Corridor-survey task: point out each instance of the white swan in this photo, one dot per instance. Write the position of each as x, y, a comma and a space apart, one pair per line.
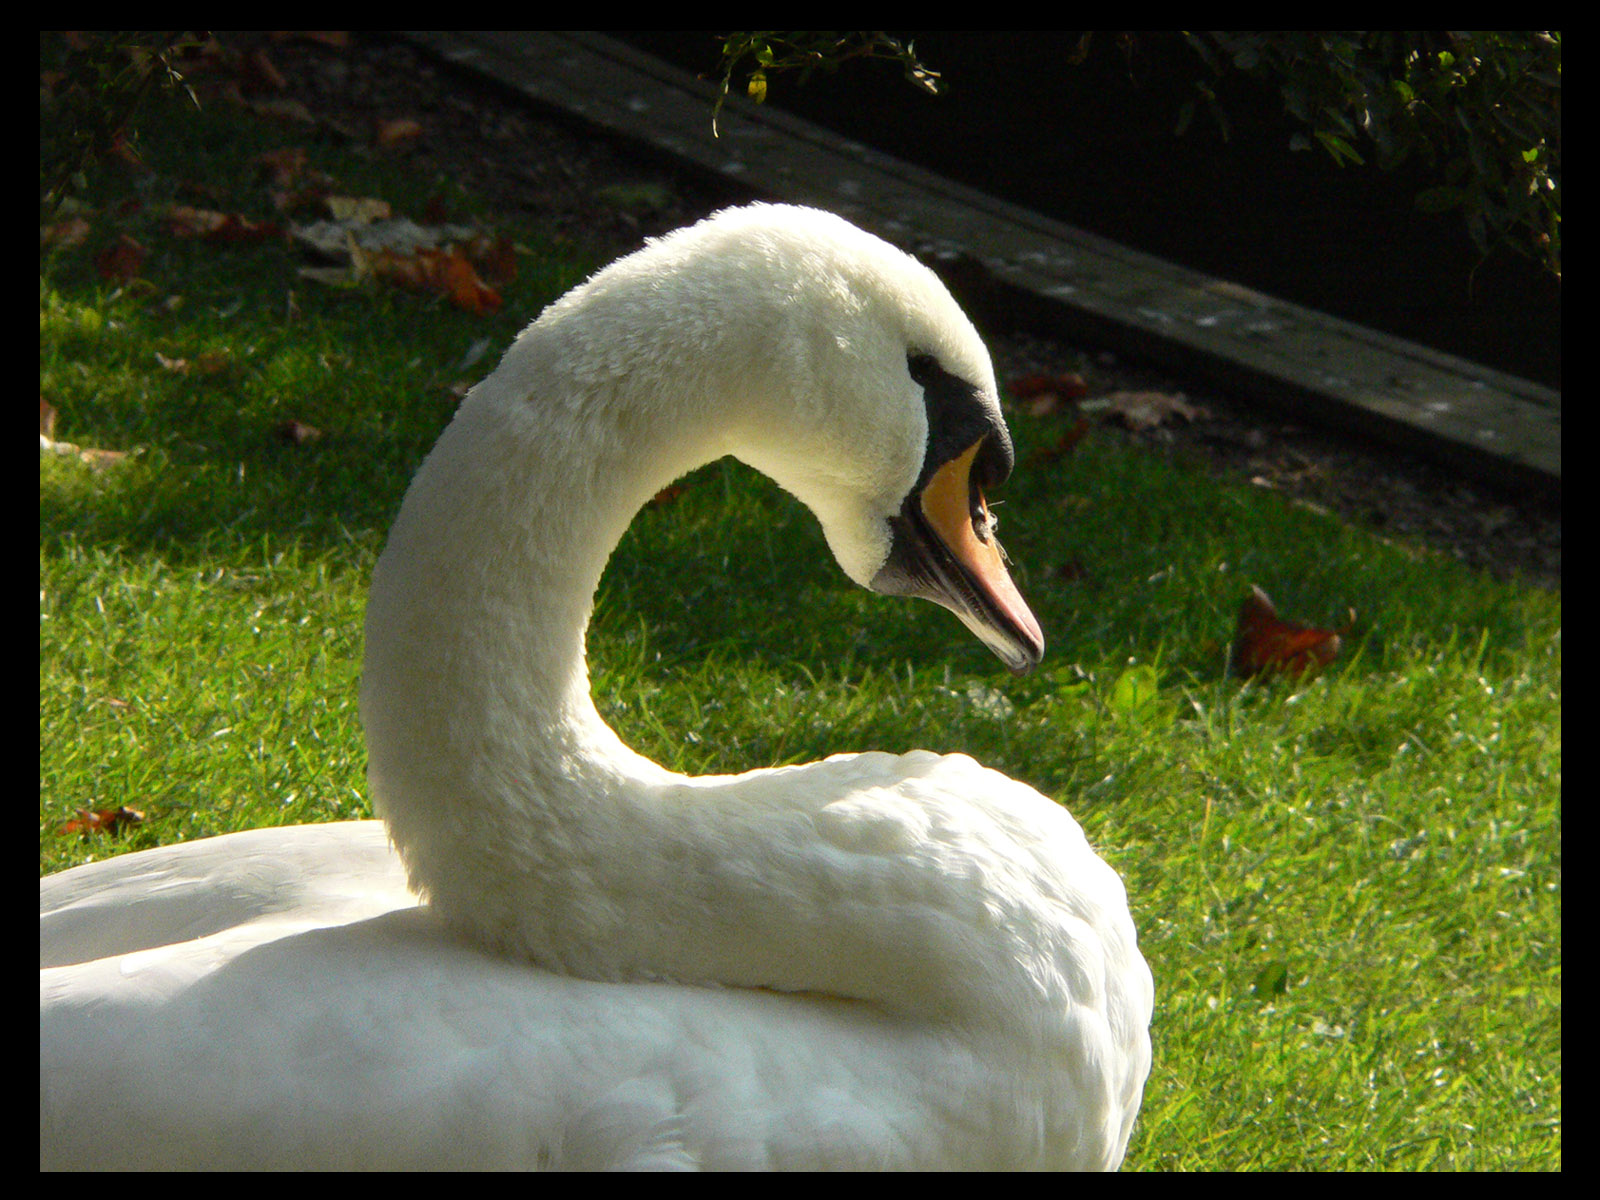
868, 961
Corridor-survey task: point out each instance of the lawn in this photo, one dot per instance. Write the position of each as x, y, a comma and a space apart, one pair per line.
1347, 884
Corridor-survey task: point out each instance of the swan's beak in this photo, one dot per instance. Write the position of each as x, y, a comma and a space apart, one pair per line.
944, 550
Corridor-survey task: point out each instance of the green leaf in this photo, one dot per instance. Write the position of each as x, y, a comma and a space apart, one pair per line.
1136, 689
1341, 150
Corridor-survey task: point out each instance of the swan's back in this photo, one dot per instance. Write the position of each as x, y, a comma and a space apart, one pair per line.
292, 1005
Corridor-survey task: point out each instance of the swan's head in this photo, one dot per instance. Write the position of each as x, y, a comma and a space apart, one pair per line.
834, 363
877, 407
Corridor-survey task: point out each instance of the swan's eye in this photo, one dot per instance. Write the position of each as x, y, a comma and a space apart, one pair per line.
923, 368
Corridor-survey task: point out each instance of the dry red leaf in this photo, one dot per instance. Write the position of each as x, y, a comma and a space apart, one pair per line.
120, 261
184, 221
447, 271
467, 290
106, 820
399, 131
1266, 642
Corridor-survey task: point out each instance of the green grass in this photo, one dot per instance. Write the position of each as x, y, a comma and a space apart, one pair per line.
1348, 888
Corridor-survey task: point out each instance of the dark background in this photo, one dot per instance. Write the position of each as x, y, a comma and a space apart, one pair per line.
1094, 146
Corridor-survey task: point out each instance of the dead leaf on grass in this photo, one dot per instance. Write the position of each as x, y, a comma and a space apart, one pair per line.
184, 221
97, 460
1265, 642
209, 362
67, 233
357, 210
106, 820
445, 271
1140, 411
397, 132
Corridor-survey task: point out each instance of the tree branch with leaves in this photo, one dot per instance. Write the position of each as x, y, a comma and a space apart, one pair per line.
767, 52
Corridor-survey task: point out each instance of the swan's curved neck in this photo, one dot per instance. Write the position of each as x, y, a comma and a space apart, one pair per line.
527, 822
518, 811
481, 602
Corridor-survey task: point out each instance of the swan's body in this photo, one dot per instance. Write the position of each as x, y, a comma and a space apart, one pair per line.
867, 961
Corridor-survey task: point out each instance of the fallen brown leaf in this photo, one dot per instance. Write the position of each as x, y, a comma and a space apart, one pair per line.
105, 820
446, 271
70, 232
1266, 642
399, 131
1139, 411
358, 210
184, 221
207, 363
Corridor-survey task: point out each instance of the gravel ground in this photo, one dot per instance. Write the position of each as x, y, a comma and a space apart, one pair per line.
607, 196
